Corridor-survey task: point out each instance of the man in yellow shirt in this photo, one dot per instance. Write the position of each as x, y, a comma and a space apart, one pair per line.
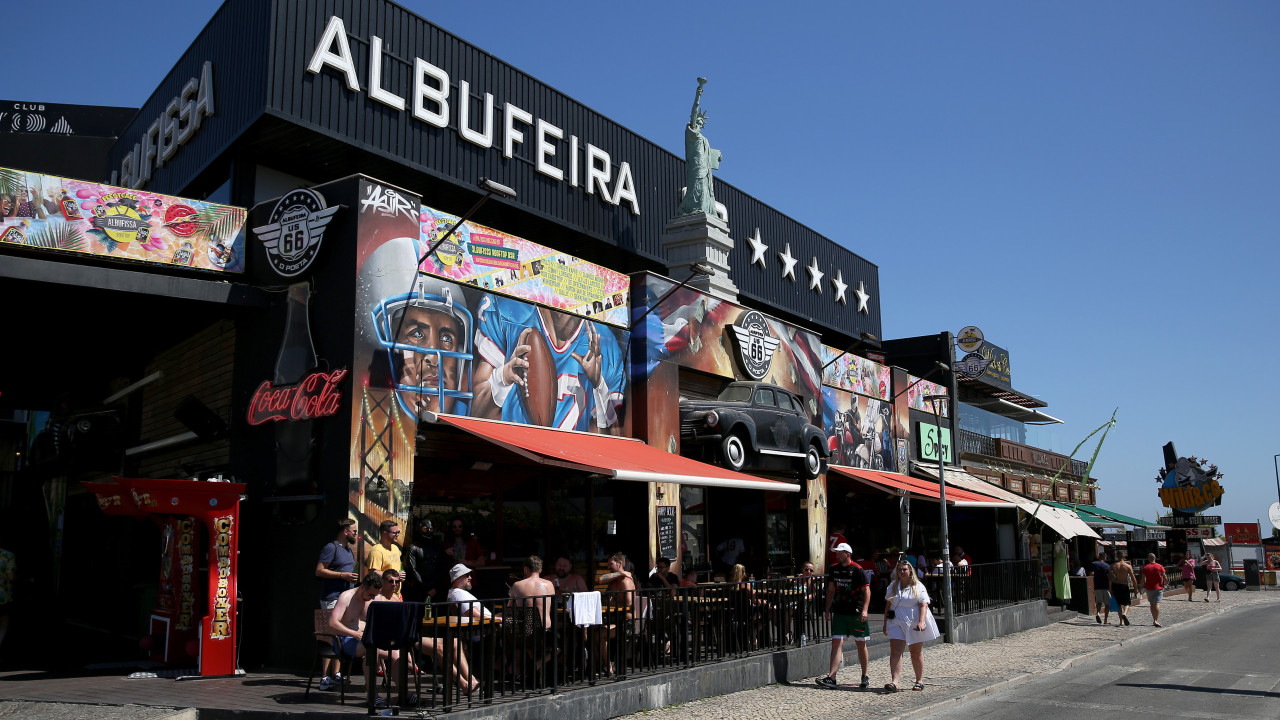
386, 554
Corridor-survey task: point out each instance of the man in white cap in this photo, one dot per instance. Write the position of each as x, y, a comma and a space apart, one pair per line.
848, 596
460, 592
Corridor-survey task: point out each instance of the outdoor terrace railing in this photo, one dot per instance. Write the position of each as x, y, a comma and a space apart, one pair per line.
531, 645
986, 586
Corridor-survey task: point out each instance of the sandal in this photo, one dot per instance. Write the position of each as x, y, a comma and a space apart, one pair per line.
891, 687
918, 686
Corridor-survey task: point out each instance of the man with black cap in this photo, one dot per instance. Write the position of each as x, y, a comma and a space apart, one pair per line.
848, 597
460, 592
423, 566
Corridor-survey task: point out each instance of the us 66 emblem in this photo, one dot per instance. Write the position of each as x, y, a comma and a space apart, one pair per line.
292, 237
756, 344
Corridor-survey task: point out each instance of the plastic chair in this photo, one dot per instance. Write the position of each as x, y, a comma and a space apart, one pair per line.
327, 649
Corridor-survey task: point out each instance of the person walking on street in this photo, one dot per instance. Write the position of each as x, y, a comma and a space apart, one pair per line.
1188, 568
1101, 590
1154, 579
908, 623
1122, 580
1211, 569
848, 597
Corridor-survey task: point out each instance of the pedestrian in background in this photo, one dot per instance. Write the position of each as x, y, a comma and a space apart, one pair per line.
1122, 580
1188, 568
1154, 580
1211, 569
1101, 590
908, 623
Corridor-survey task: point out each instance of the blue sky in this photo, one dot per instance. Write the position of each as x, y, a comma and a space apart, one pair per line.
1095, 185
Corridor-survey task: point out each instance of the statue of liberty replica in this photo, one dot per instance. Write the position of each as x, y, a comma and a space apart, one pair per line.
697, 234
699, 160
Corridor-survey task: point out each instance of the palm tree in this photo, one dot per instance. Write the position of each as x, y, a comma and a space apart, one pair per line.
57, 236
220, 222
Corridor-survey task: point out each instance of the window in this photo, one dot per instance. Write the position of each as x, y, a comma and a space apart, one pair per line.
736, 393
764, 397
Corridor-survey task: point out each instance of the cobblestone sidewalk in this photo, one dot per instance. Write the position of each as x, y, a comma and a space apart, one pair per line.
951, 671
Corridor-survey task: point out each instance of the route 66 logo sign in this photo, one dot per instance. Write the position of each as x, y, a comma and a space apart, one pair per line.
296, 228
756, 344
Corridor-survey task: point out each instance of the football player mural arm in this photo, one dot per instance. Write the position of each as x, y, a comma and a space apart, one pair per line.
605, 370
502, 366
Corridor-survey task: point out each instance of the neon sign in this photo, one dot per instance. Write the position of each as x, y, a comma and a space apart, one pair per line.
315, 396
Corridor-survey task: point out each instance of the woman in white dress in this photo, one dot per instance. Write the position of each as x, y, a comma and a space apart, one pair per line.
908, 623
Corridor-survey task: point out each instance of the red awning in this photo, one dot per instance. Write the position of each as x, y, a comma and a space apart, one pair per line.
896, 484
617, 457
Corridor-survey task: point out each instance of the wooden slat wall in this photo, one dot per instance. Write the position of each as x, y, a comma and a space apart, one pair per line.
201, 366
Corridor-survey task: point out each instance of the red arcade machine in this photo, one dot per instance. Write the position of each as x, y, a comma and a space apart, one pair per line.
186, 509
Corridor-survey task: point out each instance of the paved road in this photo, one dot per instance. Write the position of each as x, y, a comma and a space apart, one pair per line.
955, 674
1222, 667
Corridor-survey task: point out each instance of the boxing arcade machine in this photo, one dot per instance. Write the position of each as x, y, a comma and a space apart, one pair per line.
186, 510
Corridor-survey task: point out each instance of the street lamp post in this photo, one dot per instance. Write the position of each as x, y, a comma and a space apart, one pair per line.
948, 612
1276, 460
490, 189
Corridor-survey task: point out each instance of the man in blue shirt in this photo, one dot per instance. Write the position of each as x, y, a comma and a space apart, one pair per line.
1101, 590
336, 570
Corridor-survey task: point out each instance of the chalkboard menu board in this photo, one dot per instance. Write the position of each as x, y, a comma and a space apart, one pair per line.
667, 531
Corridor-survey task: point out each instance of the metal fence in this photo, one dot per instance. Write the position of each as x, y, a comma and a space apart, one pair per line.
975, 588
525, 646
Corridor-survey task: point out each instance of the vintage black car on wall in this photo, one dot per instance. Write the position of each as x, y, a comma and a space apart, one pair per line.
751, 422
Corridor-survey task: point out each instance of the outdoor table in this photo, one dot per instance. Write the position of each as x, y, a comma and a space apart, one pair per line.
453, 627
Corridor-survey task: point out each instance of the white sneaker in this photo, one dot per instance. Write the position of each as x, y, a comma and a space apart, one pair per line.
327, 684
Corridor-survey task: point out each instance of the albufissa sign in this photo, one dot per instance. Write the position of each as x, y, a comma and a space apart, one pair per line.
174, 128
429, 101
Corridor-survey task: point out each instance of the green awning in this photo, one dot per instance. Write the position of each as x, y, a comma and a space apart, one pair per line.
1094, 515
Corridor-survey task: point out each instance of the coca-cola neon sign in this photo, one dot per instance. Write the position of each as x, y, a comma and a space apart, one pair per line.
315, 396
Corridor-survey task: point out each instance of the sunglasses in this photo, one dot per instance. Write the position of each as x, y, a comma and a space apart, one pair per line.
394, 582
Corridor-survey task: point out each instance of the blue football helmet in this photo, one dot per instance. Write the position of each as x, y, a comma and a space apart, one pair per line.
394, 286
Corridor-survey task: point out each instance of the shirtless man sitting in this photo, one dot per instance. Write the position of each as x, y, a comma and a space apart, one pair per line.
531, 610
620, 593
565, 579
347, 619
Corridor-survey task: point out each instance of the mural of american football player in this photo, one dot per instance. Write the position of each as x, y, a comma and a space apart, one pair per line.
542, 367
424, 329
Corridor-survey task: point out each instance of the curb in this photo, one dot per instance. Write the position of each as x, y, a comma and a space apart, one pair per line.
1065, 664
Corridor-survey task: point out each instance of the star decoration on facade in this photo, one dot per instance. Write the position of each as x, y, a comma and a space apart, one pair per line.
788, 263
815, 276
840, 286
758, 249
863, 297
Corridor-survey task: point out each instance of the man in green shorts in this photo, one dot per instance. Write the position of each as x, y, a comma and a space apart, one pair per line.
848, 596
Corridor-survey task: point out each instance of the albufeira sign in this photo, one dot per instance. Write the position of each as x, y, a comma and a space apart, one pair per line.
429, 100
